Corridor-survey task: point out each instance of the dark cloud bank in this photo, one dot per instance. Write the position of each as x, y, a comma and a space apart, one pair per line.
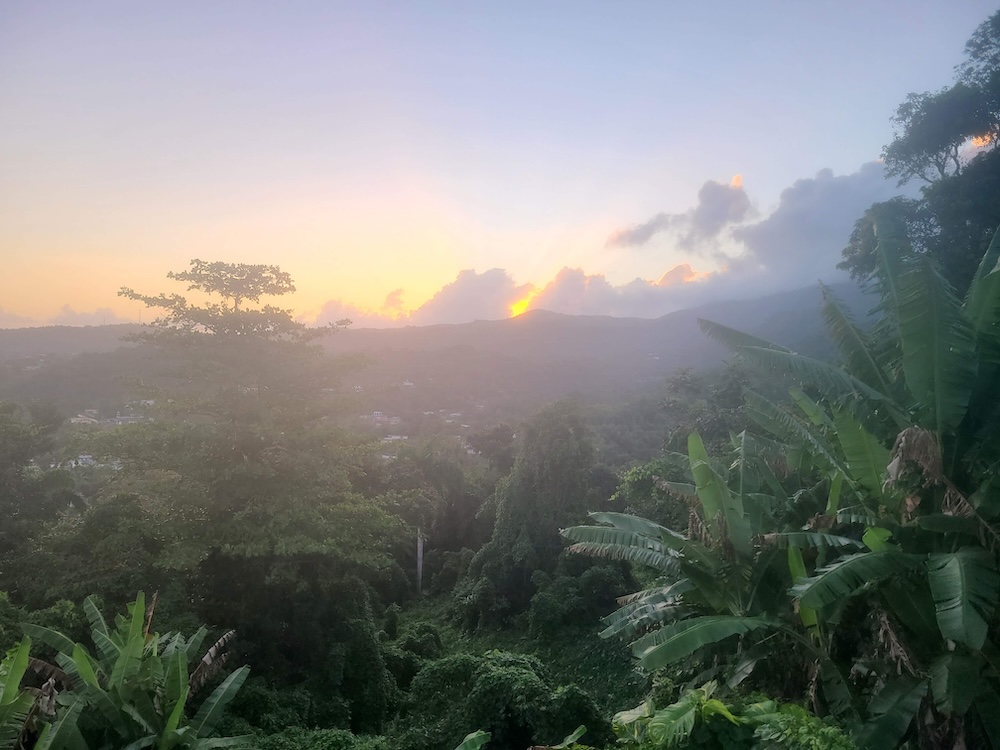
719, 205
795, 245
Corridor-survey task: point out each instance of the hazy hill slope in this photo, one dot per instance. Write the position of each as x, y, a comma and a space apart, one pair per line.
18, 343
512, 364
542, 356
791, 318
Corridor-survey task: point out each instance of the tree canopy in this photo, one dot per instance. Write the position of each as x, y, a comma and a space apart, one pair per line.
946, 140
233, 284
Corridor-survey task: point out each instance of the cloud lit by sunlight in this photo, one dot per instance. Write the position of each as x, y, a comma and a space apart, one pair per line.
682, 274
737, 181
521, 306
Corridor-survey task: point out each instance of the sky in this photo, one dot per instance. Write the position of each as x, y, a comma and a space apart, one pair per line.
428, 162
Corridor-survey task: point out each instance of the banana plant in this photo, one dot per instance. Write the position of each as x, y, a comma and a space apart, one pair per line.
479, 738
727, 576
28, 715
134, 691
907, 427
17, 706
673, 725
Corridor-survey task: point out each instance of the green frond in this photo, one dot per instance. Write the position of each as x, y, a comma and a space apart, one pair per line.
677, 640
832, 381
635, 524
609, 536
736, 340
648, 608
193, 644
474, 740
64, 734
797, 570
106, 646
813, 411
570, 738
175, 682
786, 427
681, 489
892, 252
939, 350
942, 523
716, 499
810, 539
865, 455
955, 681
12, 670
49, 637
129, 660
987, 707
843, 578
662, 562
247, 741
672, 726
210, 712
982, 303
892, 709
853, 345
94, 616
672, 589
13, 716
965, 586
836, 690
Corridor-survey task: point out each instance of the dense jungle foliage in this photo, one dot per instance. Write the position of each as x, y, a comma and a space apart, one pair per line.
808, 561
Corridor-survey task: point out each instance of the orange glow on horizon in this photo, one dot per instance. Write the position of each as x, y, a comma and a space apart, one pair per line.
682, 274
521, 306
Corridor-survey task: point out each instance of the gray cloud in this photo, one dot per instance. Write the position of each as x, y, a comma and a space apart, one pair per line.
394, 301
798, 243
101, 316
575, 293
802, 239
471, 296
66, 316
718, 205
640, 234
11, 320
335, 310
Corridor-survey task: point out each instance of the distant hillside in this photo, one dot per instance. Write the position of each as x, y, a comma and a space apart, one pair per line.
790, 318
500, 366
18, 343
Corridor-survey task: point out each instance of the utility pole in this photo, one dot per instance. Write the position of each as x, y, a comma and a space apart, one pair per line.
420, 560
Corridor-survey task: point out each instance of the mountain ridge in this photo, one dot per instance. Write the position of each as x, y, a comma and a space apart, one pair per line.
528, 360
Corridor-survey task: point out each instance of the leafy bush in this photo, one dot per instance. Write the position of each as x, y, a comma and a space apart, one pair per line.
579, 591
557, 604
272, 710
422, 639
391, 621
402, 665
509, 695
791, 727
297, 738
444, 568
697, 719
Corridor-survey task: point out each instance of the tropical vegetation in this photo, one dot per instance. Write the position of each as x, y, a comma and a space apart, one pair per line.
789, 552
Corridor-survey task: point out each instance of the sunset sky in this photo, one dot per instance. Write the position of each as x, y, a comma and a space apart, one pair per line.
420, 162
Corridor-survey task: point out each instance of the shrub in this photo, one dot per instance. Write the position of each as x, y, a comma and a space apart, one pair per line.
297, 738
509, 695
